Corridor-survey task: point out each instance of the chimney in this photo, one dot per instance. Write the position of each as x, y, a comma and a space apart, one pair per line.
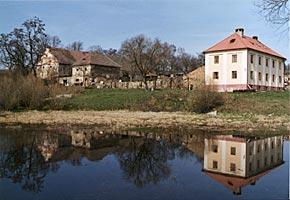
255, 37
240, 31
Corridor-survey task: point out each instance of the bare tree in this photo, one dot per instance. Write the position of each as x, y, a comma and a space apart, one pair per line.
54, 41
22, 48
143, 55
184, 62
75, 46
274, 11
96, 48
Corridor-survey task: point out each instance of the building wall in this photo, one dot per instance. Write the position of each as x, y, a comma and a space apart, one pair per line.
224, 158
81, 75
244, 68
107, 72
261, 155
248, 160
224, 68
255, 67
47, 67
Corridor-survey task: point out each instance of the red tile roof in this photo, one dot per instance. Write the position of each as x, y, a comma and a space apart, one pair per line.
76, 58
236, 41
235, 182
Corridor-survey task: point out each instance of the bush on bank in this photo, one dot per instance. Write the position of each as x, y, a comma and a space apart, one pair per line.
18, 92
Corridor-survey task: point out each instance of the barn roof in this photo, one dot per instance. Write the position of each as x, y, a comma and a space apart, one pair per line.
76, 58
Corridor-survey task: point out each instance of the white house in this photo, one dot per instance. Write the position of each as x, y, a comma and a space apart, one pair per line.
240, 62
238, 161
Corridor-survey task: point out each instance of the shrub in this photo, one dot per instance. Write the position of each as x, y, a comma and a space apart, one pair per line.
204, 99
28, 92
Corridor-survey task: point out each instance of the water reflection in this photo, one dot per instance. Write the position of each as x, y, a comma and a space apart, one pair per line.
237, 161
26, 158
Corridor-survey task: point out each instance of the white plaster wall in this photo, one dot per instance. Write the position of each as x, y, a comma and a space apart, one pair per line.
256, 68
225, 67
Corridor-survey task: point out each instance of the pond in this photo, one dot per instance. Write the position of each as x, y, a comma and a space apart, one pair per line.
91, 163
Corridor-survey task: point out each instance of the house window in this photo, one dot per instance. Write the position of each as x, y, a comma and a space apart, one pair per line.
77, 80
234, 58
280, 79
260, 76
265, 146
214, 148
85, 69
265, 161
234, 75
215, 75
233, 150
77, 69
267, 77
252, 59
258, 164
251, 75
267, 62
214, 164
233, 167
272, 158
260, 60
272, 145
273, 78
273, 63
259, 148
250, 166
216, 59
280, 65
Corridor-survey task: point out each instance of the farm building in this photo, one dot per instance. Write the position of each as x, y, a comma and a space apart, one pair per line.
77, 67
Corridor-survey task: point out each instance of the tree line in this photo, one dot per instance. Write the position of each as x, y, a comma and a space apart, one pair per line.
22, 48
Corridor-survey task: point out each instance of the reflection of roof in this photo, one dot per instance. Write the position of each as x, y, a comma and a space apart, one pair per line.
234, 183
236, 41
230, 138
69, 57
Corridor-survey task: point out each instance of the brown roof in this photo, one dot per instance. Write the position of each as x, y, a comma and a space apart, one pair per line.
236, 41
68, 57
96, 59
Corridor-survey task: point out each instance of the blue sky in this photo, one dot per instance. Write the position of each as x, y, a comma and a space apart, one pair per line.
192, 24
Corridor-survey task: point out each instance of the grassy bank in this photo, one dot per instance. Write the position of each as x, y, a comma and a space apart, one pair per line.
260, 103
136, 119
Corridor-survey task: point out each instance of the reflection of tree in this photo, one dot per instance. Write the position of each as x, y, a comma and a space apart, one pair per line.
22, 162
145, 160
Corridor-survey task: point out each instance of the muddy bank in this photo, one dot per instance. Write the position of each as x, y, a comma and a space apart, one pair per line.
129, 119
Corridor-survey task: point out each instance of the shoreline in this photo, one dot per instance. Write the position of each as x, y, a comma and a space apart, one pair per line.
138, 119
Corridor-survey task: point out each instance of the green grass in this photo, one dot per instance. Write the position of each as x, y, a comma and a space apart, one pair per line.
116, 99
276, 103
265, 103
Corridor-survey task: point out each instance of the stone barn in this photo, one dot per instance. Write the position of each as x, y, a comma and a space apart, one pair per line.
76, 67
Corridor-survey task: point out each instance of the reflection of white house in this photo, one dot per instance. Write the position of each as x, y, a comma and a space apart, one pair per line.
240, 62
238, 161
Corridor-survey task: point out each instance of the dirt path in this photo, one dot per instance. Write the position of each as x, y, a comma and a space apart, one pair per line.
126, 118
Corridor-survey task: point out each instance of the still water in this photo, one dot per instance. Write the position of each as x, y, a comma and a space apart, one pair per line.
89, 163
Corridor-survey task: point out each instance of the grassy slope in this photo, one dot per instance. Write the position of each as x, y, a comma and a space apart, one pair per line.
173, 100
264, 103
115, 99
